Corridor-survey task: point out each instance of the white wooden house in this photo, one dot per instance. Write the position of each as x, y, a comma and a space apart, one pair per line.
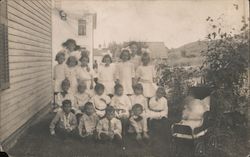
25, 64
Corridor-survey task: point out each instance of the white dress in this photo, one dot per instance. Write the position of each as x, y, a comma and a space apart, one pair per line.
146, 75
71, 73
125, 72
136, 60
121, 103
84, 75
59, 76
106, 76
139, 99
100, 102
60, 98
157, 109
81, 99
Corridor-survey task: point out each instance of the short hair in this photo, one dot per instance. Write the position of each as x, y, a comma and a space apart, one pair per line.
125, 51
84, 56
81, 84
58, 55
162, 90
145, 54
87, 104
135, 106
117, 86
138, 86
109, 109
106, 56
71, 58
65, 81
66, 102
99, 86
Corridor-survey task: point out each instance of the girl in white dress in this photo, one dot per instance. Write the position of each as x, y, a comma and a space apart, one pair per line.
158, 105
84, 73
64, 94
135, 54
121, 103
100, 100
125, 72
70, 73
106, 74
146, 75
81, 97
138, 97
59, 72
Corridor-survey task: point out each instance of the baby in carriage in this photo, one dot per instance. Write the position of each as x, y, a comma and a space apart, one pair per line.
196, 104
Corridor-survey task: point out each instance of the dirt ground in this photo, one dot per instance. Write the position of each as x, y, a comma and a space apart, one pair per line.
37, 142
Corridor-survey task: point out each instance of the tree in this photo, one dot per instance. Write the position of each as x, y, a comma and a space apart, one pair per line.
225, 65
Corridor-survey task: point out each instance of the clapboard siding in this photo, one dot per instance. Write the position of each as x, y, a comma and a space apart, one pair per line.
30, 63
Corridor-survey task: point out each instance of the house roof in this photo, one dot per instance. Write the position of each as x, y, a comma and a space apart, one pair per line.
100, 52
157, 49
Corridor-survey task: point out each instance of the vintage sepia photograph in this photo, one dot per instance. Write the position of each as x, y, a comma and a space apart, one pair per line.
124, 78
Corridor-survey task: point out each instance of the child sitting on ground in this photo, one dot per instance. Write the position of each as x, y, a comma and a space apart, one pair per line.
158, 105
138, 97
100, 100
65, 94
138, 122
64, 123
121, 102
88, 121
109, 128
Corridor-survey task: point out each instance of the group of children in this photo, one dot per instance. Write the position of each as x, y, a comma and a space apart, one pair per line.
121, 97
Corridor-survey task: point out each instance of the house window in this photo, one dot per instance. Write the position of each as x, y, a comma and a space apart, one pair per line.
82, 27
4, 60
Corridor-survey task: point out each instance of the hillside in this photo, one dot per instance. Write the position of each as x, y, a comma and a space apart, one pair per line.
188, 54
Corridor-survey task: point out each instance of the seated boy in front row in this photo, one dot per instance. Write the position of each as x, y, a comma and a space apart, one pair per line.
109, 128
138, 122
88, 121
64, 123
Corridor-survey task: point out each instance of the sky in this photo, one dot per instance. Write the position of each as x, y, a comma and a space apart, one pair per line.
173, 22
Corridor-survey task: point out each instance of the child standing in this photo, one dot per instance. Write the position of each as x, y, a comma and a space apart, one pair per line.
65, 94
138, 122
158, 105
121, 102
125, 72
64, 123
135, 54
100, 100
84, 73
109, 128
71, 73
59, 72
106, 74
138, 97
88, 121
146, 75
81, 97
